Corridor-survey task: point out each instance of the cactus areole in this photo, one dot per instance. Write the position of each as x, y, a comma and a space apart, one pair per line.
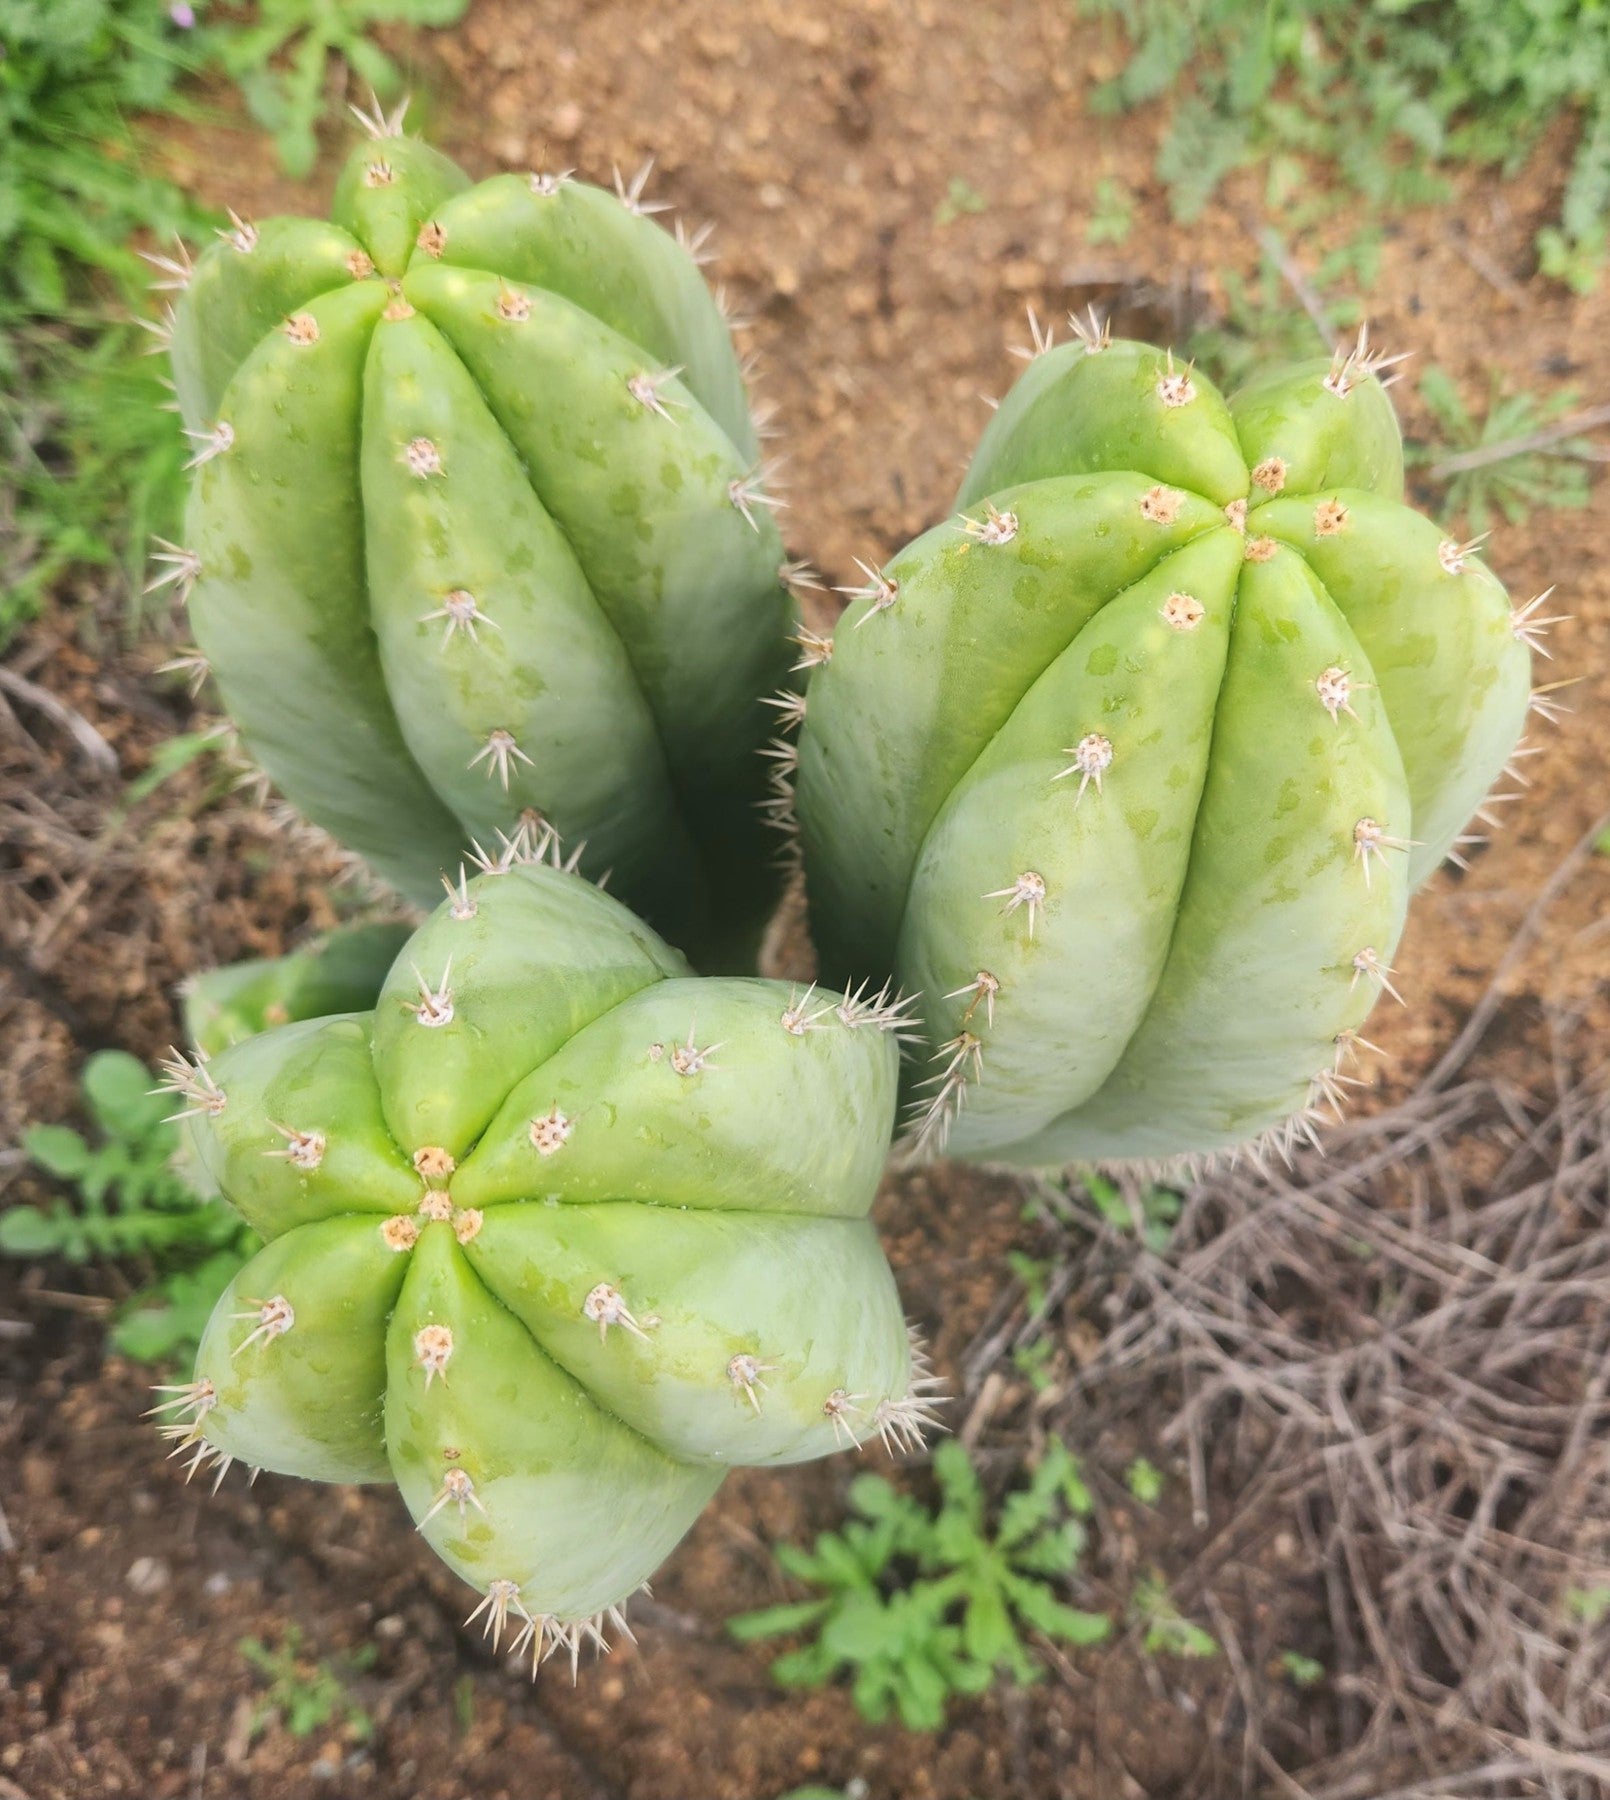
554, 1237
1131, 771
477, 530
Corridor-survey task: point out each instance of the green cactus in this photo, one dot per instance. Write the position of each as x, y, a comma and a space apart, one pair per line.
341, 972
1130, 772
554, 1236
478, 531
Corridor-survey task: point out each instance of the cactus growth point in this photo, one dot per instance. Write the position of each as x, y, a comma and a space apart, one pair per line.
1131, 771
554, 1236
478, 530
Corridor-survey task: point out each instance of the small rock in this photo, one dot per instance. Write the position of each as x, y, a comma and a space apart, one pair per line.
148, 1575
567, 121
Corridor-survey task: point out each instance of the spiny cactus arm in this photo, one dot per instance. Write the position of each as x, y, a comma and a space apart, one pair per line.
387, 190
245, 285
1105, 406
721, 1336
1454, 669
294, 1353
342, 972
581, 242
938, 649
279, 605
751, 1094
692, 586
299, 1134
497, 657
513, 1471
1320, 425
1281, 885
491, 985
1038, 933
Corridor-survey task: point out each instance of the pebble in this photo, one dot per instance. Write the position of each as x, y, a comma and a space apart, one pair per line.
148, 1575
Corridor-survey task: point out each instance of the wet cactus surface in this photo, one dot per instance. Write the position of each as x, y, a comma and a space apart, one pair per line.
554, 1237
1130, 771
478, 529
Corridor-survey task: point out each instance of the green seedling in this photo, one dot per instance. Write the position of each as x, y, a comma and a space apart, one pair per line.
1301, 1671
132, 1205
1165, 1629
280, 60
305, 1696
1145, 1481
917, 1606
1496, 464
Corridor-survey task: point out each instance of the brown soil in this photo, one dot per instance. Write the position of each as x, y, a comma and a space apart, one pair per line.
821, 137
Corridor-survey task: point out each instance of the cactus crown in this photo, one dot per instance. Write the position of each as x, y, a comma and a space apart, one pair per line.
554, 1236
1131, 770
478, 530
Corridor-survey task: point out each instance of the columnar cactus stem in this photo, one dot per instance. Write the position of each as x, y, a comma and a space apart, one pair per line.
477, 527
1130, 772
538, 1257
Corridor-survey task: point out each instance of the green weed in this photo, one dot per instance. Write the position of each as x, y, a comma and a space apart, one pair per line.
1165, 1630
1491, 469
305, 1696
1382, 94
280, 57
1301, 1671
1112, 213
920, 1606
960, 197
132, 1205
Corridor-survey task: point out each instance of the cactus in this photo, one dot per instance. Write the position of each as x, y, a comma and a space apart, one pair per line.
1130, 772
478, 531
554, 1236
341, 972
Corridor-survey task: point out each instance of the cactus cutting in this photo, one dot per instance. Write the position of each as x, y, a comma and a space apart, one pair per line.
478, 530
553, 1237
1131, 770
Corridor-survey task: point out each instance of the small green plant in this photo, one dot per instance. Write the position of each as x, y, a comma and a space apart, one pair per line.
132, 1204
1145, 1481
1578, 262
1380, 95
94, 464
1112, 213
1588, 1606
960, 197
919, 1606
1165, 1629
1495, 464
305, 1696
1159, 1210
1301, 1671
280, 60
1262, 320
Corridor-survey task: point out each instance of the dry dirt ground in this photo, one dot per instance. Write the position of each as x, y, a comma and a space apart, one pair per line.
821, 138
